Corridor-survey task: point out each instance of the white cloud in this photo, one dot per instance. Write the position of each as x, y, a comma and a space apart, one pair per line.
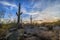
51, 13
8, 4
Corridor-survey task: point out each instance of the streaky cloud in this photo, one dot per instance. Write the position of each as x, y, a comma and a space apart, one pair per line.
8, 4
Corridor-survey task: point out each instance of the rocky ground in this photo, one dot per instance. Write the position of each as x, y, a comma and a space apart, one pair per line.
35, 33
41, 34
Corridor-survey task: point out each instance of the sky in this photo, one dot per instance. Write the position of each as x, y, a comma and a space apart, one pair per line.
47, 10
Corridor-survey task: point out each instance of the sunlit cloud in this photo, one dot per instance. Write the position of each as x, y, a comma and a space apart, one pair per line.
50, 11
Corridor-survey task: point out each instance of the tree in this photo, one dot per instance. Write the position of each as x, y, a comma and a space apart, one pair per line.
2, 14
10, 16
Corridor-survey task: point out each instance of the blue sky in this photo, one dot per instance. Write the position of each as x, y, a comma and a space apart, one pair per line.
39, 9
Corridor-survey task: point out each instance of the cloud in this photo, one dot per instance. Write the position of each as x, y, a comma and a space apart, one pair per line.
50, 11
43, 9
8, 4
34, 7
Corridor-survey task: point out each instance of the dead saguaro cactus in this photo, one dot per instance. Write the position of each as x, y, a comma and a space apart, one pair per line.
19, 13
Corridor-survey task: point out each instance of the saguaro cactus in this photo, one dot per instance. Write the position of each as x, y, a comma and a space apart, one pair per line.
18, 16
31, 19
19, 13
